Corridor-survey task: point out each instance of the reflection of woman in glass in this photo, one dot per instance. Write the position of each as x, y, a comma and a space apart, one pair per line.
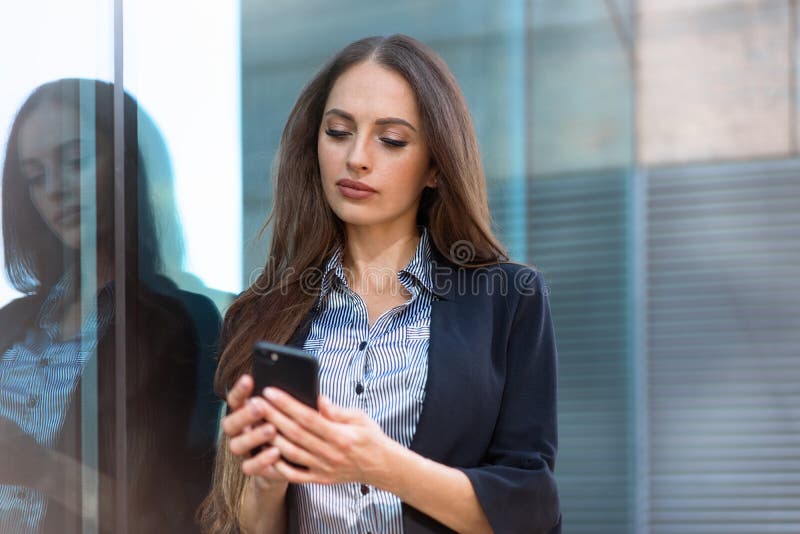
61, 141
437, 356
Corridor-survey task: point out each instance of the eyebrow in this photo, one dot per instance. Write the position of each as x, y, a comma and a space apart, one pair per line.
69, 144
385, 120
62, 147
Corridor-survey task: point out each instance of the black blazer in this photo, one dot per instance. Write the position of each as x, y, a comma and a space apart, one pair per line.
169, 468
490, 401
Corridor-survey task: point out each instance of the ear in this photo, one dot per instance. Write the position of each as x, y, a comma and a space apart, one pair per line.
432, 180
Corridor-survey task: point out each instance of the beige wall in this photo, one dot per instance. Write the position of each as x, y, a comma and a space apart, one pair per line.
713, 81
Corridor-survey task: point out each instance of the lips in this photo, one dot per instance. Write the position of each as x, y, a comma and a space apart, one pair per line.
352, 184
354, 190
68, 215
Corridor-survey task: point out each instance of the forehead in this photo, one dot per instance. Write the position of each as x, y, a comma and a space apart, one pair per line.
368, 90
47, 127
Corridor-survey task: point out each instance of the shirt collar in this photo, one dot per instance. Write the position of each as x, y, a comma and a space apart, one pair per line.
96, 317
420, 267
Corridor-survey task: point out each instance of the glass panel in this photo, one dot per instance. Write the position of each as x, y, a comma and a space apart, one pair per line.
183, 149
57, 320
580, 216
188, 93
549, 86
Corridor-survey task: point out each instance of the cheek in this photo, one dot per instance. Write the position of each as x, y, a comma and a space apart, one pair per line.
45, 207
328, 160
410, 174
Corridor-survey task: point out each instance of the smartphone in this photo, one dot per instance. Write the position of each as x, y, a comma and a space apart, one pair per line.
292, 370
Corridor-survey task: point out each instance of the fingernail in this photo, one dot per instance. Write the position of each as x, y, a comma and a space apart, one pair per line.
254, 406
268, 430
270, 393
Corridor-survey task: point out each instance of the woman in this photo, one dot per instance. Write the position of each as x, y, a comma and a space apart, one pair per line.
61, 136
437, 356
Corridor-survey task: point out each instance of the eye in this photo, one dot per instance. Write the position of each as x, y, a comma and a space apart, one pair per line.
34, 180
33, 174
393, 142
336, 133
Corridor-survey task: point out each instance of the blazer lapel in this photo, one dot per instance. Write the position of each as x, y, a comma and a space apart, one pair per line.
298, 338
444, 355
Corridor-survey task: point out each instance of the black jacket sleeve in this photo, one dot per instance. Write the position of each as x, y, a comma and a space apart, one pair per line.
515, 483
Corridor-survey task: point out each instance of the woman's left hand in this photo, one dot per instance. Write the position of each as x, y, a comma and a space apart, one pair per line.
336, 444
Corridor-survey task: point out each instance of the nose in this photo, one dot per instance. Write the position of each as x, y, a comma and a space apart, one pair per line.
53, 181
57, 181
359, 159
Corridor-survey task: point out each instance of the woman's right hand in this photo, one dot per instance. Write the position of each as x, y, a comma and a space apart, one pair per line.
246, 429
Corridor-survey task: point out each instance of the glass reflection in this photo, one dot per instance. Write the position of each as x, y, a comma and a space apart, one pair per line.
58, 341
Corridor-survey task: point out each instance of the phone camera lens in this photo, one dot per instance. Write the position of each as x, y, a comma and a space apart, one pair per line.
273, 357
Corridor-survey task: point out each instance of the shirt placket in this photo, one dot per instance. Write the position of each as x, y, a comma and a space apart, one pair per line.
362, 376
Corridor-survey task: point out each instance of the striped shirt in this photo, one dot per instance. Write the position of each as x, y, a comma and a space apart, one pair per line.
381, 369
38, 376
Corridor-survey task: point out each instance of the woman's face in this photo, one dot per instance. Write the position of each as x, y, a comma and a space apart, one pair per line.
371, 135
51, 165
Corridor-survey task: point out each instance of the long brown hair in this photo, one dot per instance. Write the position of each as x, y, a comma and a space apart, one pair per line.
306, 231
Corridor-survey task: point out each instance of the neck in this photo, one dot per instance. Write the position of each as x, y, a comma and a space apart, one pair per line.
374, 254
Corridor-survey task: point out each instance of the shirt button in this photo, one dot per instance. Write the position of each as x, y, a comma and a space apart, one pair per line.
21, 494
44, 362
364, 489
359, 389
32, 401
362, 345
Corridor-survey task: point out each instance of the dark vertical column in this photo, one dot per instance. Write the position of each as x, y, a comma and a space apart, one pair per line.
125, 267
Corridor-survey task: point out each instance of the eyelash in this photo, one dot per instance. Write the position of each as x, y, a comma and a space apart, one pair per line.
35, 180
393, 143
336, 133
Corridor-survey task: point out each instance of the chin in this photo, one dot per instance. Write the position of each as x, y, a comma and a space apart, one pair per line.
70, 237
355, 214
360, 219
